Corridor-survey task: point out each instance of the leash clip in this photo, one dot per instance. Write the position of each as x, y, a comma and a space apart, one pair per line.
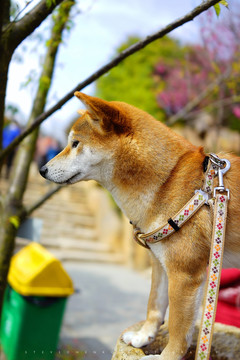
221, 172
217, 161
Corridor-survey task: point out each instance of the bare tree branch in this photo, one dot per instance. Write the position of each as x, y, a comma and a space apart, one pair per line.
10, 24
223, 102
25, 26
191, 104
123, 55
37, 204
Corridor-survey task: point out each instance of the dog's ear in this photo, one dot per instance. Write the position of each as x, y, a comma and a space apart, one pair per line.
81, 112
109, 116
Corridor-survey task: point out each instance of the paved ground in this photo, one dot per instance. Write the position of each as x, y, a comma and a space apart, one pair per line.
110, 298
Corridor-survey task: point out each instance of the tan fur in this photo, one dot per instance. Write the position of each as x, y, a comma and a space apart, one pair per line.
152, 172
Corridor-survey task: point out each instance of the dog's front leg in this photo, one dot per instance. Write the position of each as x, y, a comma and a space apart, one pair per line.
185, 294
157, 305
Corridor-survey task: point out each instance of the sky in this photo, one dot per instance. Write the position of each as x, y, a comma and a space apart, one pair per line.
99, 28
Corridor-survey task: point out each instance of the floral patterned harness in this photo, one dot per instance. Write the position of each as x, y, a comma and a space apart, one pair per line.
218, 201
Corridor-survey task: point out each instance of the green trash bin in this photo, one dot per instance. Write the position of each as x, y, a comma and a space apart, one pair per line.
34, 304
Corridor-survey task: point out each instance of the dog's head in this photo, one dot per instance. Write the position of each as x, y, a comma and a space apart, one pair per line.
93, 140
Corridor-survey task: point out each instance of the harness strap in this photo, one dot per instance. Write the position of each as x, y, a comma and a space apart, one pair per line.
179, 219
213, 279
173, 224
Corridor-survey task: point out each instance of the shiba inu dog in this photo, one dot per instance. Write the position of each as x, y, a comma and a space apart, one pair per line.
152, 172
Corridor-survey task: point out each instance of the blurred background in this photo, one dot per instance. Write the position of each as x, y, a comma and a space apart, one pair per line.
162, 79
189, 80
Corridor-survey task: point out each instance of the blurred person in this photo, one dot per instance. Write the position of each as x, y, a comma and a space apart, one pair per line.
10, 132
53, 149
46, 149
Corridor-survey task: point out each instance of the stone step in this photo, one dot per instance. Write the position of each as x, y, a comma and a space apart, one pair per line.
35, 195
73, 220
69, 224
70, 244
62, 195
63, 244
87, 256
77, 255
67, 233
68, 208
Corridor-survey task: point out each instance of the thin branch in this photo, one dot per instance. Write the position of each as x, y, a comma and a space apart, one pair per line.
29, 22
37, 204
224, 102
123, 55
18, 14
24, 8
191, 104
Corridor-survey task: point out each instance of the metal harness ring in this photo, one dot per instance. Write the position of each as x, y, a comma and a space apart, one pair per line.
139, 240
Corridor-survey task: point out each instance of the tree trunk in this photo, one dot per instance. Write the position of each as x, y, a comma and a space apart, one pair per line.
4, 61
5, 57
13, 211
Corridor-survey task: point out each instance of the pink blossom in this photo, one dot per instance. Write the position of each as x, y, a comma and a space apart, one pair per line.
236, 111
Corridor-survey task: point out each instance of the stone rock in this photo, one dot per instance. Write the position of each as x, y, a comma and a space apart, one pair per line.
225, 345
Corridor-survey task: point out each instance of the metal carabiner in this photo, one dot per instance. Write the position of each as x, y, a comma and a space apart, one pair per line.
221, 172
216, 160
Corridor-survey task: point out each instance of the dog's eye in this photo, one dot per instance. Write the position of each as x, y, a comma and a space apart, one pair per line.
75, 144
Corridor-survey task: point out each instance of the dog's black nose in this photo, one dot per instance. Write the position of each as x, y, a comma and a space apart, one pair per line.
43, 171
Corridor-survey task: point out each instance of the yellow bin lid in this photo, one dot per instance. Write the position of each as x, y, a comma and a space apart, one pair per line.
35, 271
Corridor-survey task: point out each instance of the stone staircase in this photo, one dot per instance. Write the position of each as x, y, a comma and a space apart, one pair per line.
70, 227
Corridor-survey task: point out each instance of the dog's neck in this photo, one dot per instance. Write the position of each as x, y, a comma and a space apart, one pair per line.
141, 171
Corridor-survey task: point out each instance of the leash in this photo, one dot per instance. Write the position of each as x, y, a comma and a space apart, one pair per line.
215, 265
216, 199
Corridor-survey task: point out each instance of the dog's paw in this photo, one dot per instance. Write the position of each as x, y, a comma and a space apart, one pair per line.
151, 357
137, 338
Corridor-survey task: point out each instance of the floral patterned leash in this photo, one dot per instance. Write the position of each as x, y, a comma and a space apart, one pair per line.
220, 202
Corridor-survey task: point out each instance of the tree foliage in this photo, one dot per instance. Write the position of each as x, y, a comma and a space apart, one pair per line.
108, 66
166, 76
133, 81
